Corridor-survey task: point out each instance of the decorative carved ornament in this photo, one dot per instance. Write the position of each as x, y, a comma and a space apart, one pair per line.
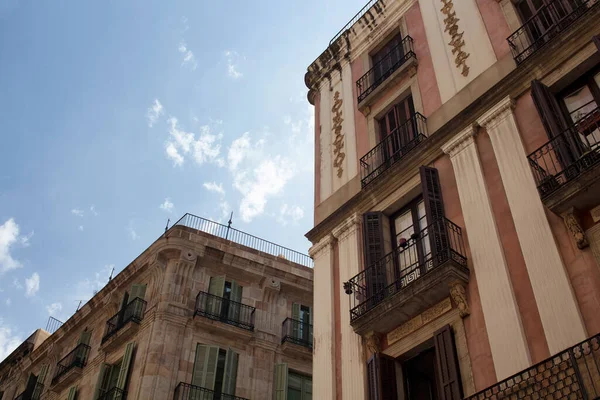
373, 342
572, 224
338, 143
457, 42
422, 319
459, 295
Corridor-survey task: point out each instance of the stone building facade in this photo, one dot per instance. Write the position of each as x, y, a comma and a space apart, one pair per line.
206, 312
456, 238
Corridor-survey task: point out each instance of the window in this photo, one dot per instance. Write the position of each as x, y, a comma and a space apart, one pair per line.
302, 324
112, 380
227, 298
581, 101
387, 58
408, 226
290, 385
72, 393
215, 369
431, 372
546, 12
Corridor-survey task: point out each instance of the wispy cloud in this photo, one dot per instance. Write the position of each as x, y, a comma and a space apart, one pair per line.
85, 289
32, 285
154, 112
204, 149
167, 205
189, 60
132, 233
77, 212
290, 214
184, 22
8, 302
214, 187
232, 58
54, 308
9, 238
93, 210
8, 340
80, 228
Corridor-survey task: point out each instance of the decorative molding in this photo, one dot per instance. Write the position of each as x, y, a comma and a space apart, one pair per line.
497, 114
417, 322
572, 224
460, 142
373, 342
457, 43
346, 228
338, 143
324, 244
459, 295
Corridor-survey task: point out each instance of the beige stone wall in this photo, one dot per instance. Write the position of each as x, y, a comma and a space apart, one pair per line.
176, 269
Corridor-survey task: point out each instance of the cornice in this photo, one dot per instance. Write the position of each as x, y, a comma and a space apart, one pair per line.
498, 113
346, 228
318, 249
461, 141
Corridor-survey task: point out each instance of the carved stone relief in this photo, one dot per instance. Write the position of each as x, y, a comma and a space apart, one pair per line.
572, 224
459, 295
457, 42
338, 142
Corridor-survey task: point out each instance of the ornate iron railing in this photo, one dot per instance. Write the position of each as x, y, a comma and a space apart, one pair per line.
53, 324
133, 311
545, 25
113, 394
385, 67
417, 256
571, 374
567, 155
393, 148
34, 394
359, 14
245, 239
297, 332
75, 359
224, 310
185, 391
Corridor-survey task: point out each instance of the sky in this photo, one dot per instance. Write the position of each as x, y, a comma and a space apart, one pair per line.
118, 116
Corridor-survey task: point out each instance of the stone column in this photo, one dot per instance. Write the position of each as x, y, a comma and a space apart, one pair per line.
353, 363
562, 322
501, 314
324, 319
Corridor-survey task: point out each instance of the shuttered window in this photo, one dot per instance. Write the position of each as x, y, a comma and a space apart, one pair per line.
42, 375
281, 381
302, 319
548, 108
84, 337
125, 364
381, 375
72, 393
137, 290
434, 210
290, 385
115, 376
447, 365
213, 371
374, 250
228, 290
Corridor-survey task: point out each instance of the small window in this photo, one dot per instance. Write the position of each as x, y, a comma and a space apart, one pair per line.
387, 58
581, 101
214, 369
112, 380
299, 387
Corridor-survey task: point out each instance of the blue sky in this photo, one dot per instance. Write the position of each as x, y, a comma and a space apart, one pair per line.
119, 115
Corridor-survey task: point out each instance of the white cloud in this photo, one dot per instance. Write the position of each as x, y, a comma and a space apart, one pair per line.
206, 148
214, 187
167, 205
232, 58
189, 59
9, 237
32, 285
80, 228
54, 308
8, 340
85, 289
132, 233
238, 151
17, 284
287, 214
93, 210
154, 112
8, 302
77, 212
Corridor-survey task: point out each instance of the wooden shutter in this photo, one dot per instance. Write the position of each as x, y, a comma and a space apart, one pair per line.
85, 337
596, 40
212, 359
42, 375
103, 369
72, 393
381, 376
281, 382
372, 380
296, 318
125, 363
374, 250
230, 372
233, 313
199, 361
449, 384
548, 108
306, 388
205, 366
434, 211
138, 290
216, 287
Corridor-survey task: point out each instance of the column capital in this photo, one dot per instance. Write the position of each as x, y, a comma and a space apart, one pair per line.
495, 115
346, 228
319, 248
460, 141
574, 227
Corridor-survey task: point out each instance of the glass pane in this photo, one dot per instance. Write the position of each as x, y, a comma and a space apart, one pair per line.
425, 245
403, 225
294, 394
579, 103
294, 381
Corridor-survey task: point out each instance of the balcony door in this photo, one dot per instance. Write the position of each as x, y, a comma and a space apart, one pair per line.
581, 101
540, 16
386, 60
398, 128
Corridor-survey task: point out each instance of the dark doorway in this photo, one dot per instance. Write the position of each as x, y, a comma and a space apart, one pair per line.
420, 376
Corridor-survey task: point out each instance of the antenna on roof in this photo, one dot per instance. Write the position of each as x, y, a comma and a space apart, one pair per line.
78, 305
110, 277
167, 227
229, 225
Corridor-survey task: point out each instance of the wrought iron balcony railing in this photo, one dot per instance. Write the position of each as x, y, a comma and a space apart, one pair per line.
133, 311
419, 255
571, 374
225, 310
75, 359
550, 21
32, 394
113, 394
567, 155
297, 332
385, 67
185, 391
243, 238
393, 148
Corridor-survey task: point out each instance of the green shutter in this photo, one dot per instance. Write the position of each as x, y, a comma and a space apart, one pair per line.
85, 337
138, 290
125, 363
205, 366
230, 372
307, 389
199, 360
42, 374
310, 328
72, 393
103, 368
296, 318
233, 314
281, 382
216, 288
212, 358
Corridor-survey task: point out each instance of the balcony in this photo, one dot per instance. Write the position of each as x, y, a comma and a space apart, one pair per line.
224, 310
409, 280
390, 67
113, 394
33, 393
572, 374
297, 332
567, 168
132, 312
549, 22
185, 391
69, 368
393, 148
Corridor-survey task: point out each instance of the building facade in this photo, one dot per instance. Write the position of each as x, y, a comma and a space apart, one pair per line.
206, 312
456, 241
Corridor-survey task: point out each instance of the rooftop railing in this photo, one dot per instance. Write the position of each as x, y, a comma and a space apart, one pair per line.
354, 19
550, 20
132, 312
245, 239
225, 310
75, 359
185, 391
